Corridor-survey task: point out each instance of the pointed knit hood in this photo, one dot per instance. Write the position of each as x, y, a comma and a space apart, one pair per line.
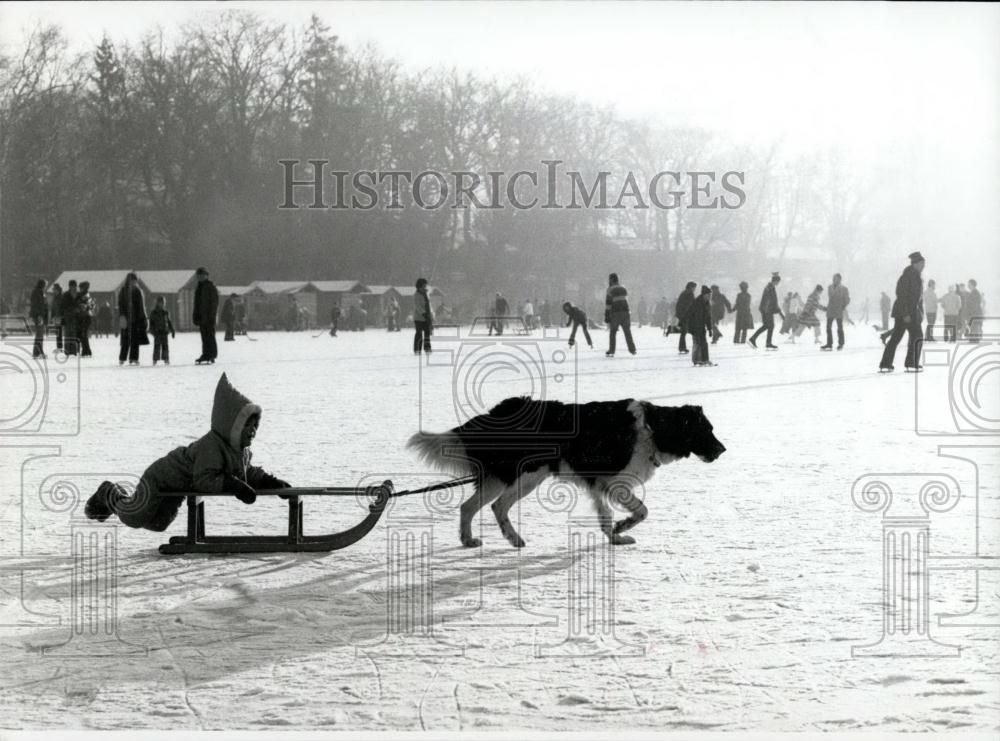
230, 412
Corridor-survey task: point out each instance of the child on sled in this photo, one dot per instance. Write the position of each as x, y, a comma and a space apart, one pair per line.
219, 461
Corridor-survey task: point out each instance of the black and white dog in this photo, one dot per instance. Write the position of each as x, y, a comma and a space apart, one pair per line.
607, 447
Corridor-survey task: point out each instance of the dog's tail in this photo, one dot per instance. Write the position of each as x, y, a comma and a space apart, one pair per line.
443, 451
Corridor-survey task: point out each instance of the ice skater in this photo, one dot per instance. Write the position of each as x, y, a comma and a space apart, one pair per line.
160, 325
699, 323
744, 316
720, 307
39, 314
907, 312
206, 305
616, 314
217, 462
930, 309
837, 299
578, 318
684, 301
951, 305
807, 317
768, 308
423, 318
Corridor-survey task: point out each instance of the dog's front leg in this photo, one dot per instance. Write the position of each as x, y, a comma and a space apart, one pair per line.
637, 513
608, 525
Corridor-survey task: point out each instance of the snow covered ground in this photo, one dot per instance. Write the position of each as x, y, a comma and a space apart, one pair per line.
737, 609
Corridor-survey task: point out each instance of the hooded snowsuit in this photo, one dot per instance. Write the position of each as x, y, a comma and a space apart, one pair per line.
206, 465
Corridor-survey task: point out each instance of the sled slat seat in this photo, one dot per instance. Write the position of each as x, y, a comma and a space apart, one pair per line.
197, 541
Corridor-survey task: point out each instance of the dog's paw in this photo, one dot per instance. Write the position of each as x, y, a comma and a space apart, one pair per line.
471, 542
617, 539
516, 540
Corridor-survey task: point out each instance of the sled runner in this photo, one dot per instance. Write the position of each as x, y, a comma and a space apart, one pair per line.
296, 540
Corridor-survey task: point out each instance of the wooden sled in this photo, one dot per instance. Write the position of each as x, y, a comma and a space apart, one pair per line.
197, 541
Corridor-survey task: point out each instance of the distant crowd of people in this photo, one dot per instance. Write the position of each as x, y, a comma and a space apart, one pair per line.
697, 313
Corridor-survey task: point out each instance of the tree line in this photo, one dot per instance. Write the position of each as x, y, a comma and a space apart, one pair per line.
163, 153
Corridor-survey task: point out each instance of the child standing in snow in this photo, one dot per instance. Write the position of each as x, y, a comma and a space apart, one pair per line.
160, 325
216, 462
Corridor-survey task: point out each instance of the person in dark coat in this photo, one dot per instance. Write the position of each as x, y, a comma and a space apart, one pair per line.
684, 302
241, 316
55, 313
423, 318
206, 306
768, 308
132, 320
229, 317
907, 313
86, 308
160, 325
219, 461
334, 318
974, 311
616, 314
744, 315
699, 322
38, 311
720, 307
68, 309
578, 318
500, 309
837, 300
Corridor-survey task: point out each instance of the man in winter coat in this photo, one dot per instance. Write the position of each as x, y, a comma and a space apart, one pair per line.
744, 315
930, 310
500, 309
86, 308
132, 320
38, 311
974, 311
951, 305
768, 308
68, 309
206, 306
423, 318
616, 314
217, 462
229, 318
699, 322
907, 313
684, 301
837, 299
720, 306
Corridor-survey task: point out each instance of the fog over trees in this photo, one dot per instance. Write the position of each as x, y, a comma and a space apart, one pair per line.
165, 154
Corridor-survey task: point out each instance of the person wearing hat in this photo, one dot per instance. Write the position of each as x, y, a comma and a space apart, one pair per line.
423, 318
907, 313
744, 316
132, 320
768, 308
698, 320
86, 308
681, 308
219, 461
616, 314
206, 304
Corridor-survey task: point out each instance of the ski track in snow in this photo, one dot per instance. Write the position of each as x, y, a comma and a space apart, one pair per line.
736, 609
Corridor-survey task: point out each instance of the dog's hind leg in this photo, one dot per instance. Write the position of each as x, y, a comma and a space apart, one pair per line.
501, 507
485, 493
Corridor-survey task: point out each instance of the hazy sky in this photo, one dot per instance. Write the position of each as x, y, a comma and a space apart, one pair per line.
871, 77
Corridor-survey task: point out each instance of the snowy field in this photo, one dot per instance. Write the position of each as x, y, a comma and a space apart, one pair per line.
737, 609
